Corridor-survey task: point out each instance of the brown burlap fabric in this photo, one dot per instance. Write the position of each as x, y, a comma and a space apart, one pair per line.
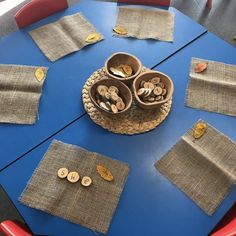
64, 36
214, 89
20, 92
204, 169
92, 207
143, 24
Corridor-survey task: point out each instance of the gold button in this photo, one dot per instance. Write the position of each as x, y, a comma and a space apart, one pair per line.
86, 181
62, 173
73, 177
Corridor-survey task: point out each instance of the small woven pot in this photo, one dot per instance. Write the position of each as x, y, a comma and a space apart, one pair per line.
123, 58
146, 76
124, 91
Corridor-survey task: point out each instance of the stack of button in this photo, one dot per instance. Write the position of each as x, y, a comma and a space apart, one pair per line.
152, 91
109, 98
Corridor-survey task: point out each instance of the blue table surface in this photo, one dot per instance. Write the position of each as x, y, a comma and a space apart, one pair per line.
61, 100
150, 204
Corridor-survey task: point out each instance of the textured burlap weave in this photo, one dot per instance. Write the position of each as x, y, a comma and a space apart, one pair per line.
64, 36
143, 24
204, 168
92, 206
20, 92
135, 121
214, 89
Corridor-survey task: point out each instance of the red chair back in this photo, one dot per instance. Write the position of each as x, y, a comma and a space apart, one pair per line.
147, 2
37, 10
13, 228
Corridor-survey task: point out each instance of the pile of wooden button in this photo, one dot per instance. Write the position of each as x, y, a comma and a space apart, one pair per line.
123, 70
73, 177
109, 98
152, 90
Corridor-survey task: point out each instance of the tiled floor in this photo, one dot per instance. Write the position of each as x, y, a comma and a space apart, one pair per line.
219, 20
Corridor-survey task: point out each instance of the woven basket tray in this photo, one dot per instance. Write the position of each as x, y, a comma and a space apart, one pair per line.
135, 121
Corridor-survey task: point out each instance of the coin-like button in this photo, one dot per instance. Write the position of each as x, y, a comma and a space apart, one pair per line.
86, 181
102, 89
120, 106
155, 80
113, 89
73, 177
157, 91
62, 172
149, 85
114, 108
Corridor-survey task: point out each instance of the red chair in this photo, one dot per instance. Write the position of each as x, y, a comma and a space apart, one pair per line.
227, 225
37, 10
13, 228
147, 2
209, 4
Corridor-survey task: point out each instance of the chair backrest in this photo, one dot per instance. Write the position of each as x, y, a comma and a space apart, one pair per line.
10, 228
37, 10
147, 2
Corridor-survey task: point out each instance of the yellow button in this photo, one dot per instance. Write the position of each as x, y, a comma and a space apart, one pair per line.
73, 177
62, 173
86, 181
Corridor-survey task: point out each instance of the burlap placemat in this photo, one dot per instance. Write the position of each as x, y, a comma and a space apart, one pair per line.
213, 89
20, 92
92, 206
146, 24
135, 121
64, 36
204, 168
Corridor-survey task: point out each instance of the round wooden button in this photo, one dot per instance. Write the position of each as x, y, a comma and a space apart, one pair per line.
73, 177
62, 172
86, 181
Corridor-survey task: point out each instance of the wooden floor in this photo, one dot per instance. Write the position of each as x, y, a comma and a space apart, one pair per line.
219, 20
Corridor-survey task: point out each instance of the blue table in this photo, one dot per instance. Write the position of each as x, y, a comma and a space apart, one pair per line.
61, 100
150, 204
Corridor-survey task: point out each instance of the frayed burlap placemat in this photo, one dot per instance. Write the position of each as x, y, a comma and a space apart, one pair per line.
213, 89
135, 121
146, 24
204, 168
92, 206
64, 36
20, 92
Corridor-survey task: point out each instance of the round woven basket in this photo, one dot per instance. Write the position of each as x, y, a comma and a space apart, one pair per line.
135, 121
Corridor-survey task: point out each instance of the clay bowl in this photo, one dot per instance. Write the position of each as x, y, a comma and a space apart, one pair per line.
146, 76
123, 58
124, 93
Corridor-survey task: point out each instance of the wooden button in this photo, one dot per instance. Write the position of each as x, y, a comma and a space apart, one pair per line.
141, 91
102, 89
113, 89
62, 173
158, 91
120, 106
73, 177
114, 108
149, 85
155, 80
86, 181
